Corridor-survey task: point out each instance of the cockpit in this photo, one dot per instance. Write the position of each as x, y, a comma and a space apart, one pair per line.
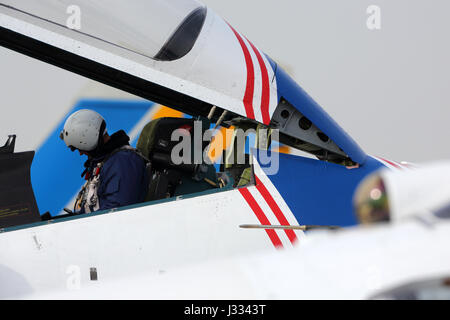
174, 56
180, 151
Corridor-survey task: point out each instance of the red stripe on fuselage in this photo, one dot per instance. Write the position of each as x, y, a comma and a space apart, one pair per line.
265, 95
392, 163
275, 208
250, 85
261, 217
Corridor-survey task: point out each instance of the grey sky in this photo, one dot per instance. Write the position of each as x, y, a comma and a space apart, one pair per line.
389, 89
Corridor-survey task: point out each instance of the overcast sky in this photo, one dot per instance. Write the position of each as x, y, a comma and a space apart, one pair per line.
388, 88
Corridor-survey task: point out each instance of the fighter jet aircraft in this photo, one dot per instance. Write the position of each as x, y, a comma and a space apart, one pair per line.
400, 252
183, 56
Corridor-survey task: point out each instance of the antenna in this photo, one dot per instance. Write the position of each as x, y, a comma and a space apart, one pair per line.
303, 228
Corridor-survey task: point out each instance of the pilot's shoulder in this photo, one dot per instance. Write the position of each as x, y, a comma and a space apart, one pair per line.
122, 157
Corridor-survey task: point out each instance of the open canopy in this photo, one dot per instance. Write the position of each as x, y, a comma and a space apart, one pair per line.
143, 27
177, 53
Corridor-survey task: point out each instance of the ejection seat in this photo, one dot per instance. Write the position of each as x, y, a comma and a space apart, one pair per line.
169, 179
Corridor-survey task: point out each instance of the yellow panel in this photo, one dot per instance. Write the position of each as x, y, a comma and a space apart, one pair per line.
284, 149
216, 149
167, 112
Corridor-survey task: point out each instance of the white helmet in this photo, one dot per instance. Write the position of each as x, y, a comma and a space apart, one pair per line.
83, 129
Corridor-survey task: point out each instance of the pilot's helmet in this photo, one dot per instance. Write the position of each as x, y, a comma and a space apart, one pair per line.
83, 130
371, 201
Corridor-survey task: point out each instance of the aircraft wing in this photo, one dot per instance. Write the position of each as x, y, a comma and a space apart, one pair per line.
361, 263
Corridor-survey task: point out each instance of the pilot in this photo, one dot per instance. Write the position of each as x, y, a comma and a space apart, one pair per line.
117, 174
